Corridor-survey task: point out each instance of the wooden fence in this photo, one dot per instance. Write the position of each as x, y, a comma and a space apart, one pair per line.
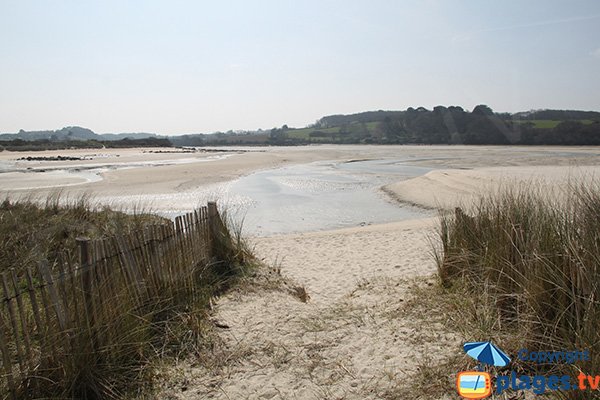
46, 309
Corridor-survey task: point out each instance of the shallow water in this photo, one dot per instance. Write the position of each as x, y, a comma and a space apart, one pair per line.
320, 196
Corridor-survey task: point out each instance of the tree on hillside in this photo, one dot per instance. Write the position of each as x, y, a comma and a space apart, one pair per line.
483, 110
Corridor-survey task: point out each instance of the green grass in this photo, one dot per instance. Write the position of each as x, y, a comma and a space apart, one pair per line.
355, 130
549, 124
304, 133
372, 126
532, 264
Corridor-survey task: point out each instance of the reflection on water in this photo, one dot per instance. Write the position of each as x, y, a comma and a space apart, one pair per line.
322, 195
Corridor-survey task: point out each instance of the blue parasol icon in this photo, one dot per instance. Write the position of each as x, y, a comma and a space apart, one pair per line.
486, 353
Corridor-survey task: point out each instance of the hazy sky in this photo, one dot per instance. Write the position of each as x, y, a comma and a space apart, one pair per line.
176, 67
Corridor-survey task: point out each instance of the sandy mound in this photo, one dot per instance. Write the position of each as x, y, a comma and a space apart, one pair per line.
451, 187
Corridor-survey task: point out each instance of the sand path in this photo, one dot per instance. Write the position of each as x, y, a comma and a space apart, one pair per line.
360, 335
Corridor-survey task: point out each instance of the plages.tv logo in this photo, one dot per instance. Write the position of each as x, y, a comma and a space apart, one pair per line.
478, 384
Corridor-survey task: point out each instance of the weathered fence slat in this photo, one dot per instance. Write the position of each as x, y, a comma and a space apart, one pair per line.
6, 358
125, 260
51, 330
22, 318
167, 253
33, 300
13, 322
60, 315
75, 293
150, 270
61, 283
100, 268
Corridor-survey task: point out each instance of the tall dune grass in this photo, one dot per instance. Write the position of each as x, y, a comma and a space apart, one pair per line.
533, 259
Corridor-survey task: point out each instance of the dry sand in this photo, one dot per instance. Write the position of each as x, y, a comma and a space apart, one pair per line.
450, 188
361, 335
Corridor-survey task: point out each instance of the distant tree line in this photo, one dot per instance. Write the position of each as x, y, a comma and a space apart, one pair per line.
449, 125
454, 125
146, 142
557, 115
48, 144
367, 116
565, 133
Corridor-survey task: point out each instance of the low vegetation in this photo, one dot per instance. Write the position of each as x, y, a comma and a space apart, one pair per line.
112, 331
524, 268
33, 231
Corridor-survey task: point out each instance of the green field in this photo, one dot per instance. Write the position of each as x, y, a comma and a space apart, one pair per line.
354, 129
548, 124
304, 134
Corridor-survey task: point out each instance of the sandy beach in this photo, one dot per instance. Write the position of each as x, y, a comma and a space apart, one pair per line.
362, 334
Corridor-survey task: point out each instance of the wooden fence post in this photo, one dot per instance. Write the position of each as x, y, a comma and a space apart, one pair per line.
220, 242
213, 227
23, 319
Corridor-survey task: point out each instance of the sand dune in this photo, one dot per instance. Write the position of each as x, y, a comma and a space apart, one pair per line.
450, 188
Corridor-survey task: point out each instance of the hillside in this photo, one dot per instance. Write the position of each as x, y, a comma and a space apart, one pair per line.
72, 133
442, 125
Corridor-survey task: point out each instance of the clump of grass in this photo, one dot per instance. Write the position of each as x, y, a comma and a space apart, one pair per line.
534, 264
231, 248
301, 293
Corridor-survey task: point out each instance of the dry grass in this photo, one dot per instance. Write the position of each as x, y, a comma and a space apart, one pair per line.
301, 293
